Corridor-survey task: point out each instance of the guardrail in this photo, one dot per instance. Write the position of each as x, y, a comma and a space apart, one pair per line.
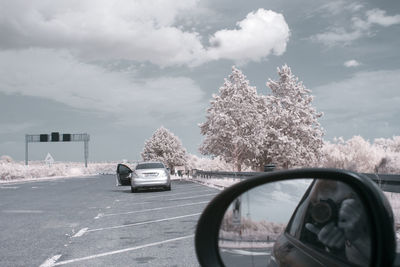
387, 182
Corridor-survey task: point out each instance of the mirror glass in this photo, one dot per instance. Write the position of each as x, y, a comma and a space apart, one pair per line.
296, 221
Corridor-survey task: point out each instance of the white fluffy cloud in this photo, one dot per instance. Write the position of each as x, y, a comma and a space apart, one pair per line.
378, 16
352, 63
260, 34
359, 28
143, 31
59, 76
102, 29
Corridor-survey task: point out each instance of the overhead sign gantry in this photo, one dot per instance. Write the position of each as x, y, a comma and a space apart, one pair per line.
57, 137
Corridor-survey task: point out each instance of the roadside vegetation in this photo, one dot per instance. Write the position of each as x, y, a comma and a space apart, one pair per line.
12, 170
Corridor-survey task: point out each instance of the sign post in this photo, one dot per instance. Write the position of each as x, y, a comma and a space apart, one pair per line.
237, 211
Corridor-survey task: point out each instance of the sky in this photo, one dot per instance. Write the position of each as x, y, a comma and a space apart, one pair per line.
120, 69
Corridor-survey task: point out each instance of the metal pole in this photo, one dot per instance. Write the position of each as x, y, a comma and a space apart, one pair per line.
86, 148
26, 149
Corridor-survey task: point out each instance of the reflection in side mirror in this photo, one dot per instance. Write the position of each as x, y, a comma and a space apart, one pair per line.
276, 223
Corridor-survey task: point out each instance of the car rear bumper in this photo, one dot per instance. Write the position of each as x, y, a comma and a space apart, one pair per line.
152, 182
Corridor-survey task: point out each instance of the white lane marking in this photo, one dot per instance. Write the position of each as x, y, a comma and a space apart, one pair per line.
173, 199
184, 193
182, 198
185, 187
122, 250
245, 252
142, 223
9, 187
81, 232
140, 203
99, 216
50, 261
22, 211
137, 211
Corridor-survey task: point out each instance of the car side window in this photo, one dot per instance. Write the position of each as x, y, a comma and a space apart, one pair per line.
296, 222
334, 223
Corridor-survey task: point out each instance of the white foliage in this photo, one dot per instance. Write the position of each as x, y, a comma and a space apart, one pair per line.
246, 128
357, 154
6, 158
292, 135
164, 146
208, 164
17, 170
231, 120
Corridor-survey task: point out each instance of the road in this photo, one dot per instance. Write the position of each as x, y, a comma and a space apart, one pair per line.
88, 221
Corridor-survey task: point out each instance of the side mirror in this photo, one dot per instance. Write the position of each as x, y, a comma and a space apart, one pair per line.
308, 217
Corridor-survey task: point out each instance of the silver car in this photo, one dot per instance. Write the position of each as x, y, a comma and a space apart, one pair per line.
150, 174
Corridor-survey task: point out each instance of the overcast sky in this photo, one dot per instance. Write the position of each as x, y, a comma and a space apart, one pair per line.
118, 70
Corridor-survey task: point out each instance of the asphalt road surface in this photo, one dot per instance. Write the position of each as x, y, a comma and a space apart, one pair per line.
88, 221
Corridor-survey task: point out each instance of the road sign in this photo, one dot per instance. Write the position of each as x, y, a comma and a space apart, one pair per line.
49, 159
55, 137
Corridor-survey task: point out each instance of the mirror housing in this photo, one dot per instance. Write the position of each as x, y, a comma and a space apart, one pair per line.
377, 207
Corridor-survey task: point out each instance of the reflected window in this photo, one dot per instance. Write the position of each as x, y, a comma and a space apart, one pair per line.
335, 222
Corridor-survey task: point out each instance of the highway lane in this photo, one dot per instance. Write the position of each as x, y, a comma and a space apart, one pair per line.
88, 221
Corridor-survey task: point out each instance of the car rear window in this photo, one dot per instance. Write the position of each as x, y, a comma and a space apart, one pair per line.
149, 166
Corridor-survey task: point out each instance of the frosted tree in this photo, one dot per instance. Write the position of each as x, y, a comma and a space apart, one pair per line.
6, 158
164, 146
207, 164
291, 131
355, 154
231, 119
358, 154
390, 162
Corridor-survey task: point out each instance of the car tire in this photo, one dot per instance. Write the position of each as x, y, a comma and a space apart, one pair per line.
168, 188
133, 189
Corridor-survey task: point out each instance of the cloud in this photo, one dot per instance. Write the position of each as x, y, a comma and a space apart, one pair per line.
143, 31
260, 34
337, 36
101, 29
61, 77
352, 63
338, 7
358, 28
365, 104
378, 16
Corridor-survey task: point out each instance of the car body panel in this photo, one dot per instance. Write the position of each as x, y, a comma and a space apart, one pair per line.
150, 177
